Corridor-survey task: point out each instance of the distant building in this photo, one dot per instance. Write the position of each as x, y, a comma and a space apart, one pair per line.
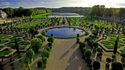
3, 14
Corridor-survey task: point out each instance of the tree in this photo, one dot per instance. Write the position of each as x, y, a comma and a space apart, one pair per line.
33, 32
116, 45
77, 38
30, 54
50, 39
117, 66
121, 13
99, 50
97, 11
95, 45
19, 12
45, 53
108, 60
9, 11
81, 45
17, 47
36, 44
50, 44
28, 57
39, 64
99, 54
108, 12
1, 66
96, 65
123, 54
89, 61
87, 53
123, 58
41, 37
27, 12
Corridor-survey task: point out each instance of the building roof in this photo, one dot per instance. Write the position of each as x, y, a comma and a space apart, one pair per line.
2, 12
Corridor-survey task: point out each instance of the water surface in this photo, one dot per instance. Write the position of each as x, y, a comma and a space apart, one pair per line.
64, 32
65, 15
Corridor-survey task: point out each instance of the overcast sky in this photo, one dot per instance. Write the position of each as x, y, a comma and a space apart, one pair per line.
60, 3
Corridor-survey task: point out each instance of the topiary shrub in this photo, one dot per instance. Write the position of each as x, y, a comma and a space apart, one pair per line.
44, 60
45, 53
87, 53
39, 64
117, 66
81, 45
50, 39
50, 44
41, 37
96, 65
36, 44
108, 60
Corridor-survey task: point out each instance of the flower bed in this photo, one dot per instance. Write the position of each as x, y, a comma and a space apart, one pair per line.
4, 38
109, 43
23, 44
6, 52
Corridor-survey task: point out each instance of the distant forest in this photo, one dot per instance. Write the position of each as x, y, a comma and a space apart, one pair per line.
20, 12
79, 10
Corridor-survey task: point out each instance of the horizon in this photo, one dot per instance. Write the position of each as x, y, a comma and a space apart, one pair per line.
59, 4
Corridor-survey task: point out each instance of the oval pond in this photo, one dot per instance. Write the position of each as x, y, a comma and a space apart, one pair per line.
64, 32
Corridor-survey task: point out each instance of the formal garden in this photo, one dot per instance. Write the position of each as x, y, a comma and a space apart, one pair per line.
39, 42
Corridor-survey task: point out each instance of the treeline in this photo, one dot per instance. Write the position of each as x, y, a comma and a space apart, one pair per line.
79, 10
19, 12
100, 11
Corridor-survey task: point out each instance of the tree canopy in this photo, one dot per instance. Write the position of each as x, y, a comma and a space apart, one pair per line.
19, 12
117, 66
36, 44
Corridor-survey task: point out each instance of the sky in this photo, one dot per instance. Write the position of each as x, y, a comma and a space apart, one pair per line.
60, 3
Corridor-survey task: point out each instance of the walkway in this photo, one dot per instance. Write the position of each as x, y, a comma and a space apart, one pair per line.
65, 55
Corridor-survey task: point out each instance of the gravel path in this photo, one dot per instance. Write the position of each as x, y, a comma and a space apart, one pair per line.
66, 55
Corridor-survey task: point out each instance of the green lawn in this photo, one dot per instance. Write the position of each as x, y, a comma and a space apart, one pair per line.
21, 42
123, 50
28, 25
82, 22
111, 41
39, 16
32, 24
4, 38
4, 52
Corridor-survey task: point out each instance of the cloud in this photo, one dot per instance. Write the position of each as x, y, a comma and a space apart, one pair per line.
30, 4
40, 3
5, 4
121, 4
60, 3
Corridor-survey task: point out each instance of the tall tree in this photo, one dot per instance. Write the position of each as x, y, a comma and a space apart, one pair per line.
121, 13
97, 11
17, 47
108, 12
116, 45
